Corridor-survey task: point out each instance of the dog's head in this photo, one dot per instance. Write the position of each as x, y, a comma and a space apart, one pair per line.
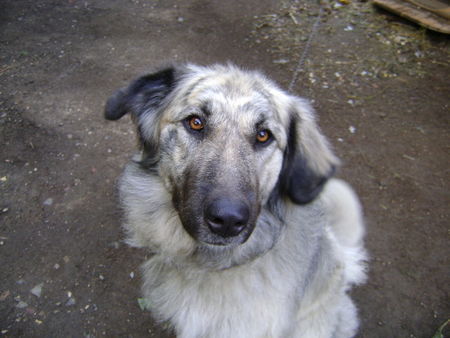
225, 142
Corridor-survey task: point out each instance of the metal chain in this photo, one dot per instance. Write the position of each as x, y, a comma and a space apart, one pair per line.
301, 61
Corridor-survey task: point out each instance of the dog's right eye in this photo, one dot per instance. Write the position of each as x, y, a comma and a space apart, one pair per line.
195, 123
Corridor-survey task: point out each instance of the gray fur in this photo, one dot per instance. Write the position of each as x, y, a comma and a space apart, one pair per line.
288, 272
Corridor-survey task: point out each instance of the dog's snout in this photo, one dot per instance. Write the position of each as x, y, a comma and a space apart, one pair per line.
226, 217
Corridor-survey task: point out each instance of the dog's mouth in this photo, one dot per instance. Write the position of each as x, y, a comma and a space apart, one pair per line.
210, 238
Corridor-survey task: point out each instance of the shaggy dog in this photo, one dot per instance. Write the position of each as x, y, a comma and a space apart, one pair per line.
232, 192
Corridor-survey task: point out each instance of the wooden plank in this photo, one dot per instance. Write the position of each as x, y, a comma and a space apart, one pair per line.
439, 7
416, 14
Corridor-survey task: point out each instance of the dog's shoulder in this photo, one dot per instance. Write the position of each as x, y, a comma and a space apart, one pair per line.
344, 212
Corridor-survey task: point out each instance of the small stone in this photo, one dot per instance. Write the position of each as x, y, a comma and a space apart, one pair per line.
56, 266
21, 305
401, 40
48, 201
71, 302
132, 275
101, 277
37, 290
402, 59
352, 129
4, 295
280, 61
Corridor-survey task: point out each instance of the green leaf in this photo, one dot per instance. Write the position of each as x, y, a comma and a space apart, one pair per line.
143, 304
439, 333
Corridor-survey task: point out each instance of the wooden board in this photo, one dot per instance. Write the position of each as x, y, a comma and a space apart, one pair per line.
419, 15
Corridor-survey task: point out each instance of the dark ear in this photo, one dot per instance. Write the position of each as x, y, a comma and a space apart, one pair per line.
308, 160
143, 99
144, 94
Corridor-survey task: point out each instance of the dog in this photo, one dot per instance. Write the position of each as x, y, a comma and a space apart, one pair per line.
232, 190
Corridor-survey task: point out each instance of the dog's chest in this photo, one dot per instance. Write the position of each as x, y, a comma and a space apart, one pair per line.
233, 302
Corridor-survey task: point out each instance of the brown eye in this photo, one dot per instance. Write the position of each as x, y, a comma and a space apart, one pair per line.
263, 136
195, 123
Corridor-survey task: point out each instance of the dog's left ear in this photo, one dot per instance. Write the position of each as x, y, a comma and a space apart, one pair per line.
309, 160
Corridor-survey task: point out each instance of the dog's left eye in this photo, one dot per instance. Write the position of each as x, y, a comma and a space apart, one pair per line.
263, 136
195, 123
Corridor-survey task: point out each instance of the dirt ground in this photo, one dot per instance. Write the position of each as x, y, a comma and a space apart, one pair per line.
380, 84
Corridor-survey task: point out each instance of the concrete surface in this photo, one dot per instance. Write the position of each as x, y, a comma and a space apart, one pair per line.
380, 84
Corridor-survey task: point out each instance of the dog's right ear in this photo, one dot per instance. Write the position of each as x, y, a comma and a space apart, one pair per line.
142, 96
143, 99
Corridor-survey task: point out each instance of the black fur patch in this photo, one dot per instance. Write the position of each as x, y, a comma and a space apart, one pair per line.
142, 94
297, 180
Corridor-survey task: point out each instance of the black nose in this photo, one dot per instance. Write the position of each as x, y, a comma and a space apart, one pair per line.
227, 217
